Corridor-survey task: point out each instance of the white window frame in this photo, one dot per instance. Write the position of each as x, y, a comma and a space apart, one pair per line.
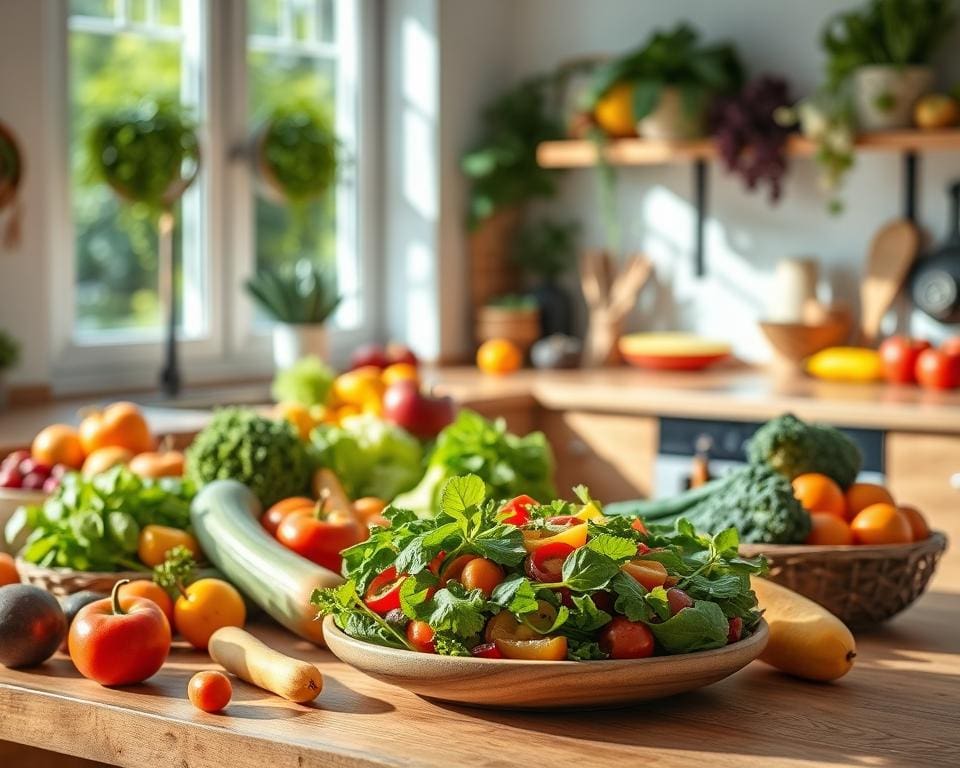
233, 346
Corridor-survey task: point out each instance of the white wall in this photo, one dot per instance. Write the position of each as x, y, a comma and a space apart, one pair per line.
745, 235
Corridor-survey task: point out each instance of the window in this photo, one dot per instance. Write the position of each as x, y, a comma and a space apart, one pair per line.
229, 64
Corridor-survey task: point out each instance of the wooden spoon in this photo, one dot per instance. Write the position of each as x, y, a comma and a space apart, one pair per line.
892, 252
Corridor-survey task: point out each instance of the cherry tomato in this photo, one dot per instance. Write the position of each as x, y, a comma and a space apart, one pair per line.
649, 573
951, 346
481, 574
383, 594
272, 518
574, 535
543, 649
209, 691
320, 538
603, 601
678, 600
937, 369
736, 629
156, 541
505, 625
566, 520
206, 606
899, 355
487, 651
518, 510
150, 591
545, 564
434, 565
421, 636
453, 571
625, 639
638, 525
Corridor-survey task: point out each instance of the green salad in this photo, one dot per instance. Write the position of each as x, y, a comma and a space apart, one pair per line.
557, 581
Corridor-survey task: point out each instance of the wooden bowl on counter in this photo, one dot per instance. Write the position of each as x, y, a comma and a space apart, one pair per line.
66, 581
513, 684
792, 343
863, 585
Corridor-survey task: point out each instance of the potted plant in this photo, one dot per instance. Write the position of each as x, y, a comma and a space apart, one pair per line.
9, 356
149, 155
546, 251
882, 54
300, 298
669, 83
515, 317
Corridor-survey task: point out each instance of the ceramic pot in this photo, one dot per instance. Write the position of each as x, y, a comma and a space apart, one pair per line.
291, 342
671, 121
521, 326
884, 95
556, 308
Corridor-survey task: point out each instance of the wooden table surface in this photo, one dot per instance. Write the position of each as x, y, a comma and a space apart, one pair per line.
898, 707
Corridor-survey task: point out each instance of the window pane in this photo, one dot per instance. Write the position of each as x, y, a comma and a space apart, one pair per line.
92, 8
263, 17
116, 244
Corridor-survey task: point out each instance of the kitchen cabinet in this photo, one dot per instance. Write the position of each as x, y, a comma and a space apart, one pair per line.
612, 454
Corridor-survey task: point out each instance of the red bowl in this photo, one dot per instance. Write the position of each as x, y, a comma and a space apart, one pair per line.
672, 351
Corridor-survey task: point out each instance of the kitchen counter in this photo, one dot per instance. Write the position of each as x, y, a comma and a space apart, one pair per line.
897, 707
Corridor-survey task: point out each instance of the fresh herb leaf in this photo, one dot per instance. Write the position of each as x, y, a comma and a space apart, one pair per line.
415, 593
589, 651
727, 542
459, 494
657, 601
450, 645
630, 599
616, 548
701, 627
457, 611
586, 570
585, 618
503, 544
517, 594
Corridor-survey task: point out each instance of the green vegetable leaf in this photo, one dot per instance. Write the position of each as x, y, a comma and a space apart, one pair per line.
701, 627
616, 548
656, 598
450, 645
517, 594
630, 599
721, 585
458, 611
585, 618
459, 494
123, 530
727, 542
503, 544
414, 595
586, 570
584, 651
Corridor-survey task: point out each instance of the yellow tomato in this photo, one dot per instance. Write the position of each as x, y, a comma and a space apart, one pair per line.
358, 386
575, 536
208, 605
589, 512
649, 573
614, 112
544, 649
499, 356
400, 372
298, 415
156, 540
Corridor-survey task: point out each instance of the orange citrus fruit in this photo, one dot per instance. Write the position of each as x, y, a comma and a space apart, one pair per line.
58, 444
614, 112
828, 528
499, 356
819, 493
881, 524
918, 523
8, 570
862, 495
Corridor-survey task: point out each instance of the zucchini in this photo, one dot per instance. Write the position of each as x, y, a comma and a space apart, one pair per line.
250, 659
226, 521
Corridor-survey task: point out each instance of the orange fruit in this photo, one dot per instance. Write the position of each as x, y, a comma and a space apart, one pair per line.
58, 444
918, 523
819, 493
400, 372
119, 424
499, 356
828, 528
614, 112
881, 524
8, 570
862, 495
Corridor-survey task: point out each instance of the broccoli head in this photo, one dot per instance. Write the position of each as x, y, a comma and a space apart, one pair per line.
793, 447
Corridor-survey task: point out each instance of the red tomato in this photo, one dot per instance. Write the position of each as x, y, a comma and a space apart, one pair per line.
209, 691
453, 571
736, 629
421, 636
545, 564
937, 369
638, 525
649, 573
899, 355
481, 574
566, 520
487, 651
678, 600
119, 646
272, 518
518, 510
625, 639
321, 539
603, 601
383, 594
951, 346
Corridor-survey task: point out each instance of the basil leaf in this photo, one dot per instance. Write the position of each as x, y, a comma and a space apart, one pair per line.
701, 627
457, 611
414, 595
503, 544
123, 530
630, 598
615, 547
516, 594
586, 570
656, 599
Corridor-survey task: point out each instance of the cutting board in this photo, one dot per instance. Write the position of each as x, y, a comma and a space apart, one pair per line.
892, 252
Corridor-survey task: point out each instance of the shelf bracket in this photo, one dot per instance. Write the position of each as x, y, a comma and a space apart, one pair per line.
700, 202
910, 186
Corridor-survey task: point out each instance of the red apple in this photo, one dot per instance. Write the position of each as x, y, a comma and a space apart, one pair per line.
369, 354
419, 414
400, 353
899, 355
951, 346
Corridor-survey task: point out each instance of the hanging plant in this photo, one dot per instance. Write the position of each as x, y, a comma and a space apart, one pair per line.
298, 153
9, 351
148, 154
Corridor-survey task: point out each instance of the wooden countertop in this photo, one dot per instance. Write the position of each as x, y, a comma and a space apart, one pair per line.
897, 707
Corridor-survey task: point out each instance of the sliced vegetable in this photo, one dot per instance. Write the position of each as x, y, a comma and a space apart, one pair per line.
383, 594
544, 649
574, 536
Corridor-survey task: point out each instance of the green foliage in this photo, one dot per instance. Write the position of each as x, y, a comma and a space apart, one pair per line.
299, 151
265, 455
141, 151
676, 59
793, 447
517, 301
177, 570
898, 32
547, 249
307, 381
297, 294
370, 456
93, 524
9, 351
502, 167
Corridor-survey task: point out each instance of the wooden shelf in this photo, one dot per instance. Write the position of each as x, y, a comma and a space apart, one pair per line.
581, 153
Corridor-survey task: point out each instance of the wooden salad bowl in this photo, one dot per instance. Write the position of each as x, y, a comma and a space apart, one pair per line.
511, 684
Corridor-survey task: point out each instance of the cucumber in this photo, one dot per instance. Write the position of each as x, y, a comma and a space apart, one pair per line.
226, 521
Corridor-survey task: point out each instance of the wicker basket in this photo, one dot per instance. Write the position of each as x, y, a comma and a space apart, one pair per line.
65, 581
863, 585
